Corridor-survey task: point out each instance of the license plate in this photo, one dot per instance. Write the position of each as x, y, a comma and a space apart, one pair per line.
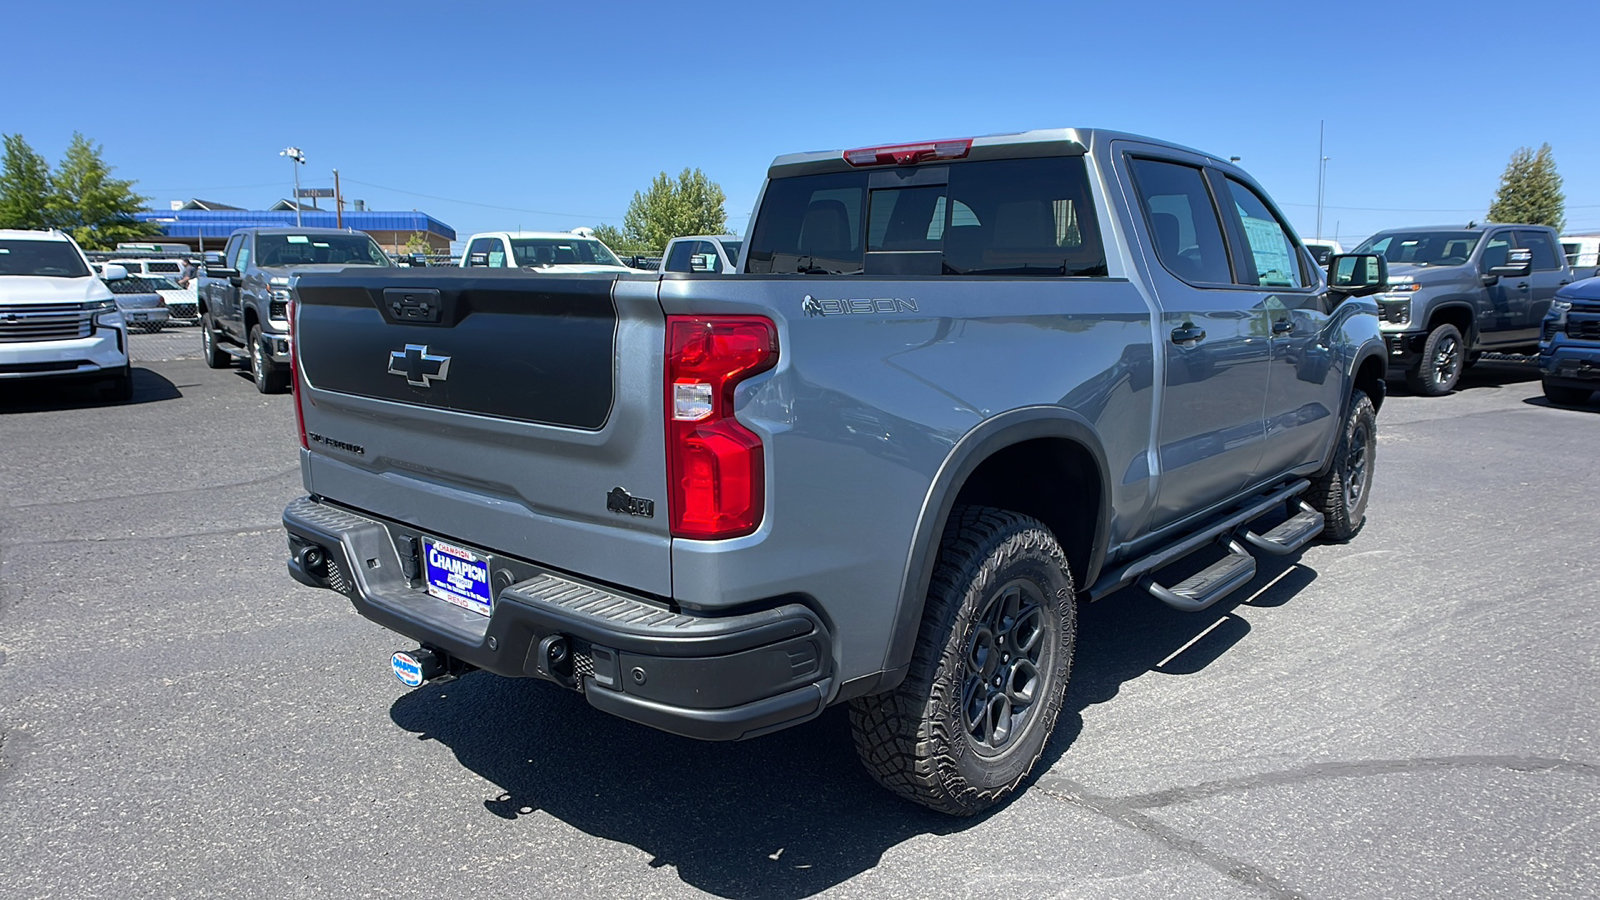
457, 575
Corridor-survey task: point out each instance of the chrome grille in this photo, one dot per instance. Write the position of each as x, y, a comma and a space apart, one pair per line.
44, 322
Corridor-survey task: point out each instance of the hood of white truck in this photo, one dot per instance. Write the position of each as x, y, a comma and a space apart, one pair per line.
23, 289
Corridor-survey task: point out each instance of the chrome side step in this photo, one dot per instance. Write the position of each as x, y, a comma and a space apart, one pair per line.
1209, 585
1289, 535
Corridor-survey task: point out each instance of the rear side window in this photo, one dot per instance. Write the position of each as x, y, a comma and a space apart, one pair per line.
486, 252
1544, 253
1183, 221
1028, 217
1277, 264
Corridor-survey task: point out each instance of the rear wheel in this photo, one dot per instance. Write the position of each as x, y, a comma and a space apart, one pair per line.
1340, 494
989, 672
1566, 396
215, 356
271, 377
1439, 369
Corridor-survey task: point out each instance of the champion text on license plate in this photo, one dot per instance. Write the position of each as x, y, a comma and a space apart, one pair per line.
458, 576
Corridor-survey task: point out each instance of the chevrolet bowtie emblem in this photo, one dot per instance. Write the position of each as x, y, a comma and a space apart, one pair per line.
419, 368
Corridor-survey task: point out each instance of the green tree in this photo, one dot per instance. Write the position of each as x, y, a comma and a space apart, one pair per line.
1530, 190
691, 204
86, 202
620, 243
418, 243
24, 186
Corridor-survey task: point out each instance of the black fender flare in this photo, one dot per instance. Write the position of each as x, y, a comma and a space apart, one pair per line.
1373, 348
976, 446
1456, 303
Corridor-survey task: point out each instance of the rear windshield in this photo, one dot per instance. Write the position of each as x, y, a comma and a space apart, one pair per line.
48, 259
1423, 248
561, 252
999, 217
314, 249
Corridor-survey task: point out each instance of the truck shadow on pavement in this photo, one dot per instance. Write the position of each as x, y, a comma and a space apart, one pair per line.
26, 395
784, 816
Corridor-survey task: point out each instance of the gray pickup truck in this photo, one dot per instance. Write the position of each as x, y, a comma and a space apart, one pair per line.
1456, 293
957, 388
243, 293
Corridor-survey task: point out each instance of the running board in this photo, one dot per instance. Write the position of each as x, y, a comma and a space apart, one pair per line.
1222, 528
1291, 534
1206, 587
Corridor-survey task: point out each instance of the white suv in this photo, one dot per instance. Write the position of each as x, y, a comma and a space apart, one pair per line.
57, 320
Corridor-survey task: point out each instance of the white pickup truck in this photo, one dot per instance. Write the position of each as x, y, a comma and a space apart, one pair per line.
554, 252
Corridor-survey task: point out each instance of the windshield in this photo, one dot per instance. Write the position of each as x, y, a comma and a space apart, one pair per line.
1423, 248
561, 252
49, 259
161, 284
351, 249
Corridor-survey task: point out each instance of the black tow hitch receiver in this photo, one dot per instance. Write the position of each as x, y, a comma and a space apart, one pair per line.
413, 667
552, 659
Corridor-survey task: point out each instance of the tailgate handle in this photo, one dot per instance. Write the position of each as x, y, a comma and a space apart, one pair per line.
420, 306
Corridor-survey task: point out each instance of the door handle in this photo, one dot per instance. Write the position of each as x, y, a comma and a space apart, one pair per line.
1523, 286
1187, 333
1282, 326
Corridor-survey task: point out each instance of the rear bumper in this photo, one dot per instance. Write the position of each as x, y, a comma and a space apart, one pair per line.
706, 677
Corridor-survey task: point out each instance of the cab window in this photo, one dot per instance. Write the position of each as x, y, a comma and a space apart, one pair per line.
1544, 253
1272, 250
1182, 220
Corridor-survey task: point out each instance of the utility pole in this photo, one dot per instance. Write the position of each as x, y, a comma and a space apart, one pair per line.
296, 160
1322, 176
338, 202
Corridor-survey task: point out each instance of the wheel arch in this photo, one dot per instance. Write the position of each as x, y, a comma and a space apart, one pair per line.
987, 466
1458, 313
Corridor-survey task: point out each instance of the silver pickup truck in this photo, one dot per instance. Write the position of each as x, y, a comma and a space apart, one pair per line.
955, 389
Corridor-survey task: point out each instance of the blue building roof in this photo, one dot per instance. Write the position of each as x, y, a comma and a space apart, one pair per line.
219, 223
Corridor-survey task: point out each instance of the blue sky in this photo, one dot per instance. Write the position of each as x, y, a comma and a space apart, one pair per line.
501, 115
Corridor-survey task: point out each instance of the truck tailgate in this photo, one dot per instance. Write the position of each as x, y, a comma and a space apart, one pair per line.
498, 408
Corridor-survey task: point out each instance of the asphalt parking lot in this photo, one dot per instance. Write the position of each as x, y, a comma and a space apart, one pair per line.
1413, 714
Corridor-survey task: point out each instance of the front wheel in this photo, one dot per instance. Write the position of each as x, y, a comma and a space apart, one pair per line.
1562, 395
271, 377
1341, 493
1439, 369
215, 356
121, 388
989, 672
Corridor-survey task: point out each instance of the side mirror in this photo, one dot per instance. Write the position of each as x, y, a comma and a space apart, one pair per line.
214, 259
113, 273
700, 262
221, 272
1358, 274
1517, 265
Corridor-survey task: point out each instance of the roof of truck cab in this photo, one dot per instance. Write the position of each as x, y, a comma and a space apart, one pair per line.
308, 230
563, 235
25, 234
1084, 138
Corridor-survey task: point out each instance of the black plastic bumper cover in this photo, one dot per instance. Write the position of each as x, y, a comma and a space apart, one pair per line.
706, 677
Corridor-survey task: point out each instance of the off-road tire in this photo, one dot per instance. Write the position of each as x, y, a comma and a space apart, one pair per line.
1341, 493
1562, 395
214, 355
915, 740
1439, 370
270, 377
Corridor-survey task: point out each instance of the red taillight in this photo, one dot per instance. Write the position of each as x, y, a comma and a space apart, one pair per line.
294, 374
908, 154
715, 467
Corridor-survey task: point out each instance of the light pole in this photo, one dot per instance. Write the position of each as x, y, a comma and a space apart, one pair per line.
298, 159
1322, 178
